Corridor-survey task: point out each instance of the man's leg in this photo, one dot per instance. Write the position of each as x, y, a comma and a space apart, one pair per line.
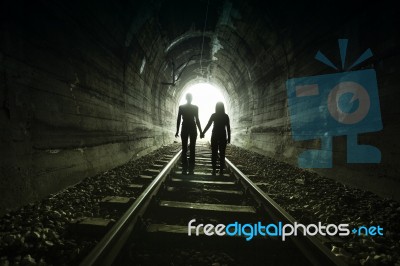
193, 137
184, 138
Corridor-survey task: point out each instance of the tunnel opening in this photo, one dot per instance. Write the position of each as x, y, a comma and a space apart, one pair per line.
205, 96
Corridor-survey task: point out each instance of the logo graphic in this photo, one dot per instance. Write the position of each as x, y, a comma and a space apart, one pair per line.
279, 229
344, 103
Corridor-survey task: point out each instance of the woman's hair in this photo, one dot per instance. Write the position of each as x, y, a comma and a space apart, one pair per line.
220, 108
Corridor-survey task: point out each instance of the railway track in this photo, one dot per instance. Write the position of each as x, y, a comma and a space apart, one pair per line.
154, 228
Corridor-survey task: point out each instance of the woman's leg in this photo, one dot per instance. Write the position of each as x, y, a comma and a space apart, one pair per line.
222, 148
214, 153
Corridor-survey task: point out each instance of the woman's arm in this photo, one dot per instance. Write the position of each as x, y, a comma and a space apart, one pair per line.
228, 128
178, 122
208, 124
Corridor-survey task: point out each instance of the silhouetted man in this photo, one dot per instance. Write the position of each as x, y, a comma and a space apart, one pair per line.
190, 117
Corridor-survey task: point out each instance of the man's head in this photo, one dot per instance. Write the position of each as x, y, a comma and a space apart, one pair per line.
189, 97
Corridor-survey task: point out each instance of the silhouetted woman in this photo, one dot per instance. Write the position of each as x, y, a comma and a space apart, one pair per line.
219, 136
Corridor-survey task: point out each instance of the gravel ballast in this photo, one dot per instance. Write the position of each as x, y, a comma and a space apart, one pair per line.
40, 233
311, 198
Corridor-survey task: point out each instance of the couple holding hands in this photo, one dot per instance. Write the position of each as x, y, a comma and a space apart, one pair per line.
221, 134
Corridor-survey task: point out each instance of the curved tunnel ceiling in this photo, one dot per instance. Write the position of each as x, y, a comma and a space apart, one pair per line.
206, 40
235, 43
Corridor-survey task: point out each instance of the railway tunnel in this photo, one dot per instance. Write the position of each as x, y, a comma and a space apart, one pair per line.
89, 86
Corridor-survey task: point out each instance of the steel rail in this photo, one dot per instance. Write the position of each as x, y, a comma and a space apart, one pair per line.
105, 252
311, 247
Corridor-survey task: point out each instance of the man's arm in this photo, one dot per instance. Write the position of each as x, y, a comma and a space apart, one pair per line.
197, 119
178, 122
228, 128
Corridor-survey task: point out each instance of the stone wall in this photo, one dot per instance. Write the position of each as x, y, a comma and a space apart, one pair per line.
76, 97
288, 52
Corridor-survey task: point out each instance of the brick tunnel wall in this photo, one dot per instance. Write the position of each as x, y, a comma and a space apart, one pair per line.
76, 96
288, 52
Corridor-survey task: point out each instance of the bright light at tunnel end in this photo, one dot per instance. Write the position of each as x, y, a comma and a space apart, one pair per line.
205, 96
